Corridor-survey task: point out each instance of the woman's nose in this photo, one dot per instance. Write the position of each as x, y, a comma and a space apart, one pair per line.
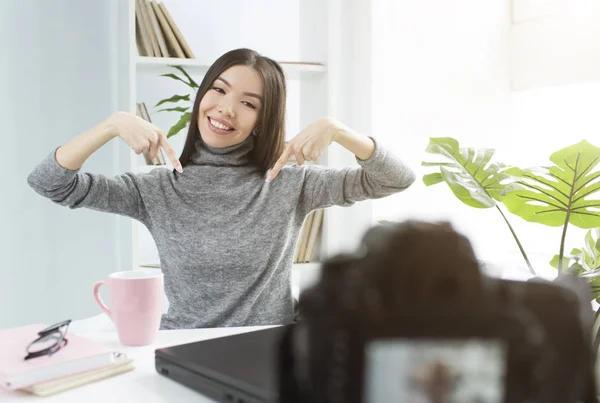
226, 109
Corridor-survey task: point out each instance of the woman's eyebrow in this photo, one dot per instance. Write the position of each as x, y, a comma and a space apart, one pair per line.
250, 94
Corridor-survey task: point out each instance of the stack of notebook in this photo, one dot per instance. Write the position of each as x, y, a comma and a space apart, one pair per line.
80, 362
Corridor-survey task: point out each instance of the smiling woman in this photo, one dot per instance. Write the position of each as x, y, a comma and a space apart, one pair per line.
226, 221
242, 93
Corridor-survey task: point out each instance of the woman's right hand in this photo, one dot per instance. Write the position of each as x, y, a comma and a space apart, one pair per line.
142, 136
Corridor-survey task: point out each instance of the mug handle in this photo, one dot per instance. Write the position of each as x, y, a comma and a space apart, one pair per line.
97, 296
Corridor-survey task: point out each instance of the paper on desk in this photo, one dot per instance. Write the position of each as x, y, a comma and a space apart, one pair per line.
122, 364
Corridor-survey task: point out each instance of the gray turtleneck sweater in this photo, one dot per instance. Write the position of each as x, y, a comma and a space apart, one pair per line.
225, 237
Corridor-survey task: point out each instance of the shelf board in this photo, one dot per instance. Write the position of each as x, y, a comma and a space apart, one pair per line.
293, 70
148, 168
307, 266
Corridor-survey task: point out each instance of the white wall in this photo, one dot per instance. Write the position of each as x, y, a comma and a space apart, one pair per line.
56, 81
554, 42
441, 69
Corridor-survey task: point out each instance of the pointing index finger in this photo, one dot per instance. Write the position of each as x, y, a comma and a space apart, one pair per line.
164, 143
287, 153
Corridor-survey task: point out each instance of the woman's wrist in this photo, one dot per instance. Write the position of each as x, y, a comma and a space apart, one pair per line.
361, 146
108, 129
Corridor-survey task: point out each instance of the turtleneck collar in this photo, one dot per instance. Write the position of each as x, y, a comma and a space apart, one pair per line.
235, 155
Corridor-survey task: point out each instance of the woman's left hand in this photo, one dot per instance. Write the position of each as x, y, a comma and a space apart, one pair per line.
308, 145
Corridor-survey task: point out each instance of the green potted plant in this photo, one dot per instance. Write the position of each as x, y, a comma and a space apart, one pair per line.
557, 195
181, 104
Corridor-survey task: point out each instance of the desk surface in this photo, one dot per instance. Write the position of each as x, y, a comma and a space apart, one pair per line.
142, 384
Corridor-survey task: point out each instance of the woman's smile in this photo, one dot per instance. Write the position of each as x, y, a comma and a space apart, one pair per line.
219, 126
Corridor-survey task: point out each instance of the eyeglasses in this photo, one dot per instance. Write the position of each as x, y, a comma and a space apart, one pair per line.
49, 340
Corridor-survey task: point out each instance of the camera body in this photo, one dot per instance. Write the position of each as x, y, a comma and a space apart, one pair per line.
411, 316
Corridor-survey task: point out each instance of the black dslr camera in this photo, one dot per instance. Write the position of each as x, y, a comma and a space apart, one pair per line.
411, 318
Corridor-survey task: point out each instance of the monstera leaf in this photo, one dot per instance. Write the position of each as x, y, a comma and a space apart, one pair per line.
559, 194
471, 176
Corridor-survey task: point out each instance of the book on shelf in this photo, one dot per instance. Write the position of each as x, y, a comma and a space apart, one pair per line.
301, 245
159, 35
160, 39
144, 18
142, 112
170, 41
79, 355
187, 50
313, 235
142, 36
308, 236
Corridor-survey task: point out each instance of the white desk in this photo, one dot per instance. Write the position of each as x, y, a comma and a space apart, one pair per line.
142, 384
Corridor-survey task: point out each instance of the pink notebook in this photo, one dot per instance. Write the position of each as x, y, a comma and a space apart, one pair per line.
80, 354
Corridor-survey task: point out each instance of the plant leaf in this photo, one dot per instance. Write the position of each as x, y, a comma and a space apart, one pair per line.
554, 261
593, 279
177, 109
432, 179
587, 261
595, 287
587, 258
471, 176
436, 164
174, 98
176, 77
549, 195
184, 120
191, 81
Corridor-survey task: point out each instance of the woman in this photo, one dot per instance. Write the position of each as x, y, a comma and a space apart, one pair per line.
226, 219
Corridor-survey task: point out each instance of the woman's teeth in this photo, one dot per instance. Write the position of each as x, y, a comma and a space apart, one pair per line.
219, 125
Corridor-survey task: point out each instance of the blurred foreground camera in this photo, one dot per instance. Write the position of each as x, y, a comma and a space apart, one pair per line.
410, 318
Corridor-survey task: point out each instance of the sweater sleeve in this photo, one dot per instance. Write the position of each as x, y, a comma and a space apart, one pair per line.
381, 175
74, 189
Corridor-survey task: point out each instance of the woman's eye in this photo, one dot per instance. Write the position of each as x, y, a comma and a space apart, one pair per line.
249, 105
220, 90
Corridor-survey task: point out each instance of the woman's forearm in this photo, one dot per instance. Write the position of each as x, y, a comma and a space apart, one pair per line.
74, 153
361, 146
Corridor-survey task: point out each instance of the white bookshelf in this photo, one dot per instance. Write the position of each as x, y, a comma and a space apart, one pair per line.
293, 70
313, 90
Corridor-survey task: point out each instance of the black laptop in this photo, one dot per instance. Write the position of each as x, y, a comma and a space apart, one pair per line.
240, 368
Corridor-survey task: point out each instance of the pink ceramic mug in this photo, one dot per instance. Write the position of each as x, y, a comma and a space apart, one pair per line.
136, 303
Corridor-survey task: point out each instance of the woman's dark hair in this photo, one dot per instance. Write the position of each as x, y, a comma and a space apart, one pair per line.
270, 126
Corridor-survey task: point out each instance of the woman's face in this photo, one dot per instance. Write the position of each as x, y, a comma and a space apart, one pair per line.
230, 108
